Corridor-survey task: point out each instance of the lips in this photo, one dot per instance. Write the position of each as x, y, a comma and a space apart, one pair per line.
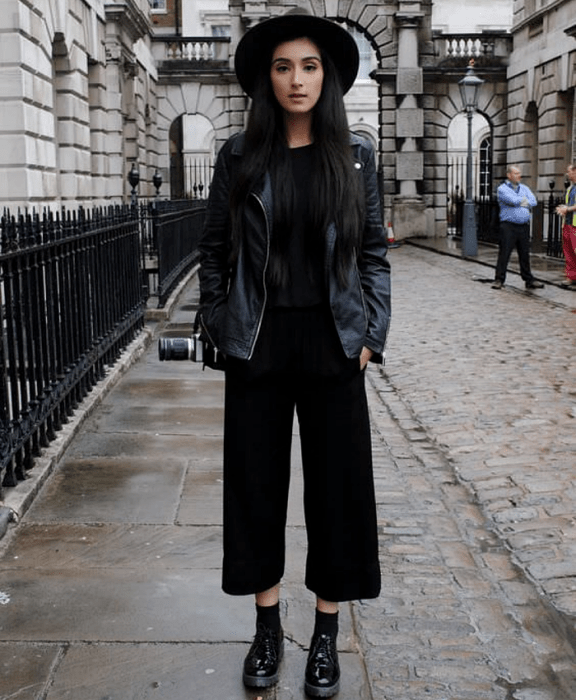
296, 95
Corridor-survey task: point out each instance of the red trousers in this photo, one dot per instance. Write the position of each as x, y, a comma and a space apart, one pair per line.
569, 248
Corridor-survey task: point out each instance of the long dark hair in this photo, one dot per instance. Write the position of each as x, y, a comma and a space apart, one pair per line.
336, 193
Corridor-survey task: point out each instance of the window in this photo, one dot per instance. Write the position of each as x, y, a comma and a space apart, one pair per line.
367, 64
485, 168
220, 30
158, 5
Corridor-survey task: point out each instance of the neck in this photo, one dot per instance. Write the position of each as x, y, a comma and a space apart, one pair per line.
298, 129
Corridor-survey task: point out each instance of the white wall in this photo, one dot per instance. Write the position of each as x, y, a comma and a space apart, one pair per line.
470, 16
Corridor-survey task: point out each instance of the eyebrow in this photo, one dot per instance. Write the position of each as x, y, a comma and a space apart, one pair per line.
303, 60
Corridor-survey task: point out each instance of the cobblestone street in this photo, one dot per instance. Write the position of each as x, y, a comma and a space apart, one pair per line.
476, 489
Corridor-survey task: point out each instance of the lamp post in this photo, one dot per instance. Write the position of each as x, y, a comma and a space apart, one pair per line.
134, 179
469, 87
157, 182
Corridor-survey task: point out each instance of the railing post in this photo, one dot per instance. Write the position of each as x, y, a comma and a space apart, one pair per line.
538, 228
554, 244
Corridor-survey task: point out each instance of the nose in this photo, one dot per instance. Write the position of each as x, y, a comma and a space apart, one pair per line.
296, 80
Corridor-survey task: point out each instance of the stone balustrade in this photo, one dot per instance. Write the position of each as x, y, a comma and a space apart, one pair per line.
191, 52
487, 46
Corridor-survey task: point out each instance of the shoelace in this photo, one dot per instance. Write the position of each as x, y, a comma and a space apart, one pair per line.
324, 650
265, 644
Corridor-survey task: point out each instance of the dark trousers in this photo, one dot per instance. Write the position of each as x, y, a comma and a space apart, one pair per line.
299, 365
514, 236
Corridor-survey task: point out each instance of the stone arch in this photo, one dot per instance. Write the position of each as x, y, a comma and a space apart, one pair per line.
369, 17
442, 105
457, 154
209, 105
367, 132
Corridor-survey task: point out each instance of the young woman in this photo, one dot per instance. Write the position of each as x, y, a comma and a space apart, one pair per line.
295, 291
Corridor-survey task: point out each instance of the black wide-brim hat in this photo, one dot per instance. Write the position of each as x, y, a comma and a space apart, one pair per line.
258, 43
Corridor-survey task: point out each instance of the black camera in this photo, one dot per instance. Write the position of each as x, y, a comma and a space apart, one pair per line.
192, 348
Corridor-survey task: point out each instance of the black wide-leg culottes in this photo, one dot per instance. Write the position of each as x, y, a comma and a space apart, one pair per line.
299, 365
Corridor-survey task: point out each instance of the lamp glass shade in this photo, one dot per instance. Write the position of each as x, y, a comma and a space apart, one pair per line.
134, 176
469, 87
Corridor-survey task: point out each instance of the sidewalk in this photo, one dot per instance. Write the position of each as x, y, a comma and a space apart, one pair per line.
110, 582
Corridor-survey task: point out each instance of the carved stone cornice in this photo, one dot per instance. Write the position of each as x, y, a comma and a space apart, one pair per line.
128, 16
409, 20
254, 11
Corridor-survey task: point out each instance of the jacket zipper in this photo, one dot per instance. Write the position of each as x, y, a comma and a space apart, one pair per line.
261, 203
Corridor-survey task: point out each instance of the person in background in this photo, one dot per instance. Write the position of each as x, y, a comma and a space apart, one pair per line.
295, 292
568, 211
515, 200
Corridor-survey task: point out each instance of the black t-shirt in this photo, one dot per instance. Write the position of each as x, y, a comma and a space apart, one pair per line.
305, 285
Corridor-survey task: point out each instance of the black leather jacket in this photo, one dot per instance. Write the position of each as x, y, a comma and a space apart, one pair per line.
233, 301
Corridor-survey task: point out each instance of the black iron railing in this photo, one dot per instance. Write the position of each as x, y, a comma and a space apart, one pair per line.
73, 292
546, 224
552, 226
71, 299
170, 235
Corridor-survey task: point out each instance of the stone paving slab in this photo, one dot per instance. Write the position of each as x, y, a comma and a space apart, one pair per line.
121, 605
25, 668
201, 672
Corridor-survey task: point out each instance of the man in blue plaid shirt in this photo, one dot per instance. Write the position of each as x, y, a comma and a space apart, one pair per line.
515, 200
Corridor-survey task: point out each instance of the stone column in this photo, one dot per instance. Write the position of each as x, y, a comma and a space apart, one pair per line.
115, 121
409, 211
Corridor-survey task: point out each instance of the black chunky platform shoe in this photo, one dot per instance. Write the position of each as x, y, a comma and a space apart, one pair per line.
322, 678
263, 660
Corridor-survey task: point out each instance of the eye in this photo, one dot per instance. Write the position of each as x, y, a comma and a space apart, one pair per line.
311, 67
280, 68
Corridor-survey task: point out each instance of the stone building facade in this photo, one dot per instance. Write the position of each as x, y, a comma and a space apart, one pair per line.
90, 88
79, 100
542, 90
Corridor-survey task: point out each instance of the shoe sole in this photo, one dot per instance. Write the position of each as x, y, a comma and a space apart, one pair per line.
256, 682
315, 692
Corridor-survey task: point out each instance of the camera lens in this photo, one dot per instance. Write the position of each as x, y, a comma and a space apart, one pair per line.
175, 348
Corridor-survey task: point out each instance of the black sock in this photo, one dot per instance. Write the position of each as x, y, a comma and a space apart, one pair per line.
269, 616
326, 623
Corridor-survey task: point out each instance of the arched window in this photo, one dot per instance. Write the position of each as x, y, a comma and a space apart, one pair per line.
485, 168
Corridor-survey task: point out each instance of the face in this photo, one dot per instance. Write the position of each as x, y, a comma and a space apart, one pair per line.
514, 176
571, 174
297, 75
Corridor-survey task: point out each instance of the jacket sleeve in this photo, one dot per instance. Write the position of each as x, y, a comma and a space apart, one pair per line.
214, 249
373, 263
532, 201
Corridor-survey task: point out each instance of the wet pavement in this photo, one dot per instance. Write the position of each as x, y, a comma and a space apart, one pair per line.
110, 580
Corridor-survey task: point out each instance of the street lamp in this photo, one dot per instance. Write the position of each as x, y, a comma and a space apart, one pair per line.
134, 179
157, 182
469, 87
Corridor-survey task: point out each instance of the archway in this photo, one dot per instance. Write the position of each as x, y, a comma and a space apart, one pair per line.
192, 152
482, 167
